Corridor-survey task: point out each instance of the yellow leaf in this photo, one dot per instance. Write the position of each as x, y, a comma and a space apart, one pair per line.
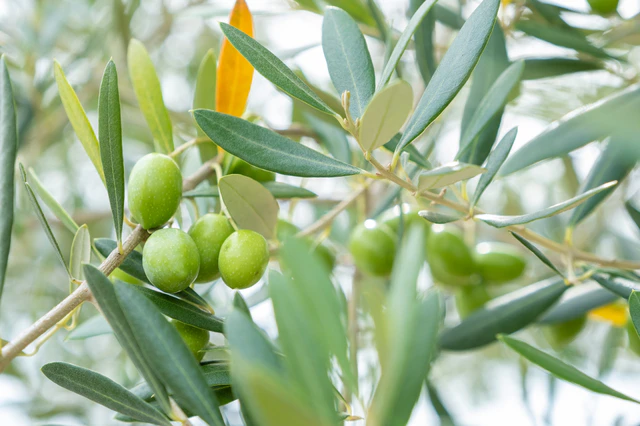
234, 71
614, 313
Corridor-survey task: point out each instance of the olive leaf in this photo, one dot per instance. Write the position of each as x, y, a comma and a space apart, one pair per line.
78, 118
385, 115
414, 154
277, 189
80, 252
348, 59
273, 69
205, 97
132, 264
250, 205
110, 138
537, 253
577, 302
499, 221
447, 174
102, 390
423, 39
561, 369
268, 150
8, 152
536, 68
453, 71
438, 217
58, 211
618, 285
147, 89
331, 135
94, 326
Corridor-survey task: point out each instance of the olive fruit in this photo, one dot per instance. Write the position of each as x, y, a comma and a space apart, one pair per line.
449, 258
195, 338
155, 189
634, 339
470, 298
561, 334
603, 7
209, 232
241, 167
391, 218
498, 263
119, 274
243, 259
287, 229
171, 260
373, 247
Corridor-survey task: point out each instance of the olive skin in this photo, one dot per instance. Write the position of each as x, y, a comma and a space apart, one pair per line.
209, 232
561, 334
634, 339
287, 229
171, 260
603, 7
244, 257
498, 263
195, 338
449, 258
470, 298
155, 189
241, 167
373, 247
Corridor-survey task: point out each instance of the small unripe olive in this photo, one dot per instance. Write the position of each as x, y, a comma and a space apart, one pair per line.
119, 274
391, 218
241, 167
470, 298
244, 257
603, 7
209, 232
195, 338
498, 263
634, 339
373, 247
171, 260
155, 189
561, 334
287, 229
449, 258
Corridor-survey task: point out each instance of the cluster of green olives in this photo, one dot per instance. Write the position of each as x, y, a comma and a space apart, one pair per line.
173, 259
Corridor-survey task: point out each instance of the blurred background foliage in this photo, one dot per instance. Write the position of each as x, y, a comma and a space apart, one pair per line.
83, 35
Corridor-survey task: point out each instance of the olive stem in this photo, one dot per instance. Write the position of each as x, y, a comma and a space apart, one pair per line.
83, 293
182, 148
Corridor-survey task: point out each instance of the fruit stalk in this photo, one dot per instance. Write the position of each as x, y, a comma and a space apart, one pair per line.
82, 293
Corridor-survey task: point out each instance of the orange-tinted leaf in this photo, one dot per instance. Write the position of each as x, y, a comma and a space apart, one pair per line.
234, 71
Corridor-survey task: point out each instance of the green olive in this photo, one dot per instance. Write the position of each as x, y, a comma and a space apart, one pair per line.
603, 7
241, 167
373, 247
634, 339
244, 257
287, 229
561, 334
155, 189
498, 263
171, 260
119, 274
470, 298
209, 232
195, 338
392, 218
449, 258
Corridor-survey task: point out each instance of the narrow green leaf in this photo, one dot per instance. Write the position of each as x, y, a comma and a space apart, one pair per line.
331, 135
277, 189
182, 311
273, 69
104, 293
205, 97
438, 217
147, 88
414, 155
80, 252
561, 369
172, 361
348, 59
103, 391
8, 152
453, 71
268, 150
620, 286
533, 249
385, 115
634, 212
578, 128
423, 41
499, 221
577, 302
58, 211
505, 314
78, 118
536, 68
249, 204
493, 62
110, 137
249, 342
494, 162
357, 9
614, 164
191, 296
241, 305
42, 219
448, 17
132, 264
94, 326
472, 149
403, 41
447, 174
